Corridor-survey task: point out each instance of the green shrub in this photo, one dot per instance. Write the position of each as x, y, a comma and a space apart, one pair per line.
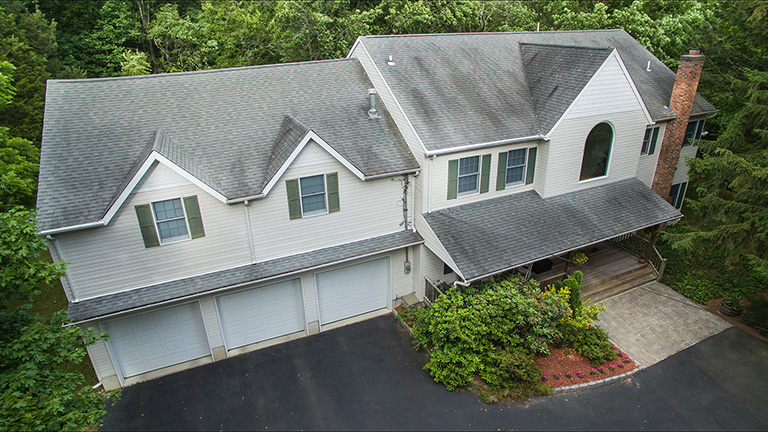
574, 284
593, 343
469, 328
696, 287
511, 367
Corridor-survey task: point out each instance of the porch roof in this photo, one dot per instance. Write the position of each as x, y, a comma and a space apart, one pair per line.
494, 235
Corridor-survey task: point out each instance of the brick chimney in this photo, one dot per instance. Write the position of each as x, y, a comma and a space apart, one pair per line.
681, 102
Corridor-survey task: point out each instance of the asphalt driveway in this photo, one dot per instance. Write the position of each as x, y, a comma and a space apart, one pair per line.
368, 377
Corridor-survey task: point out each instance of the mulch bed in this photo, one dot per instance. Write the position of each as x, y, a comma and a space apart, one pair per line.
564, 360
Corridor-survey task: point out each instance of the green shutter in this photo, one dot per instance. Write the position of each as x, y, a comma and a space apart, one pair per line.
531, 165
653, 141
294, 200
147, 225
194, 219
501, 172
332, 183
485, 173
453, 178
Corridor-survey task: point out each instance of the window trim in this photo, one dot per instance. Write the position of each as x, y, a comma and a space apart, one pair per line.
525, 168
476, 174
176, 239
610, 153
325, 197
697, 132
645, 149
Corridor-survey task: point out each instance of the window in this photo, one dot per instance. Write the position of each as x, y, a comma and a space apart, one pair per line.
597, 152
447, 269
469, 173
170, 220
693, 132
677, 194
312, 195
516, 166
649, 141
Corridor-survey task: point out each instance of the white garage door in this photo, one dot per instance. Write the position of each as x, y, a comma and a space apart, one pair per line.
353, 290
261, 313
157, 339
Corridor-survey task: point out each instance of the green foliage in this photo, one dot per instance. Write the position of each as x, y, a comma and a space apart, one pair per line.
7, 91
509, 368
36, 390
18, 171
136, 63
573, 284
466, 328
22, 272
697, 287
593, 343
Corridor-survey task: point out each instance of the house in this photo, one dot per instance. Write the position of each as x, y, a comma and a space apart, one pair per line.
205, 214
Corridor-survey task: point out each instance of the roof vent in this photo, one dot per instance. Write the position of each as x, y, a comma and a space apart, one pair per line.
648, 68
390, 62
372, 113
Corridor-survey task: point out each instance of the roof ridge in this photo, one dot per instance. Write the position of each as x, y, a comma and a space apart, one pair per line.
491, 33
199, 72
566, 46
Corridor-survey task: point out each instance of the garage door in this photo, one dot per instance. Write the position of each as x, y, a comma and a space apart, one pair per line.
353, 290
157, 339
261, 313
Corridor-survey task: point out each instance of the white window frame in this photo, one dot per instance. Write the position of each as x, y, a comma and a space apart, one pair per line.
648, 140
525, 167
476, 174
610, 154
157, 227
325, 197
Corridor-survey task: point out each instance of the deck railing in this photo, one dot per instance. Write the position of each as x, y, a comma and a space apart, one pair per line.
551, 280
638, 246
431, 292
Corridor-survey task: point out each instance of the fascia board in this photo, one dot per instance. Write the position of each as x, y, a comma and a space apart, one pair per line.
310, 135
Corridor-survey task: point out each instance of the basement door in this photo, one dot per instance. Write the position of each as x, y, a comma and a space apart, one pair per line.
157, 339
353, 290
261, 313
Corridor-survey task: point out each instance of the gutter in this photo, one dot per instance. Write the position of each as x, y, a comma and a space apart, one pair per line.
540, 137
414, 171
72, 228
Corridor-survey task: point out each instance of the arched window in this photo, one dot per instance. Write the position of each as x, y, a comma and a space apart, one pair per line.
597, 152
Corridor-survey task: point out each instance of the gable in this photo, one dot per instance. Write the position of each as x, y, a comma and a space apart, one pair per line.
160, 176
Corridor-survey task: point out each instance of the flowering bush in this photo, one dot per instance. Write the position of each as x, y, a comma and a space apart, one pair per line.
579, 257
626, 360
621, 365
569, 374
601, 369
592, 371
611, 366
545, 377
580, 374
557, 375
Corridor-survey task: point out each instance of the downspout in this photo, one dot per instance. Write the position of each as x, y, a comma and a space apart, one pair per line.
250, 230
55, 242
429, 185
460, 283
406, 183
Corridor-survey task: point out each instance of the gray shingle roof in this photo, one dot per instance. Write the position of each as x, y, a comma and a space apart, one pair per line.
251, 273
225, 125
509, 231
556, 75
470, 88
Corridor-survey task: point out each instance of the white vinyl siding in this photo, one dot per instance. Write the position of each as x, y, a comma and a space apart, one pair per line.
439, 176
608, 92
353, 290
261, 313
368, 209
646, 166
113, 258
681, 174
158, 339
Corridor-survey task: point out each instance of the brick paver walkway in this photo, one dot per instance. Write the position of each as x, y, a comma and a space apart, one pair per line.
652, 322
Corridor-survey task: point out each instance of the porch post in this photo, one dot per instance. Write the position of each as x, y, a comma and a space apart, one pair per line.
652, 240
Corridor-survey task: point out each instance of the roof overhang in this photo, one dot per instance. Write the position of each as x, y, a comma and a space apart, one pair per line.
496, 235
